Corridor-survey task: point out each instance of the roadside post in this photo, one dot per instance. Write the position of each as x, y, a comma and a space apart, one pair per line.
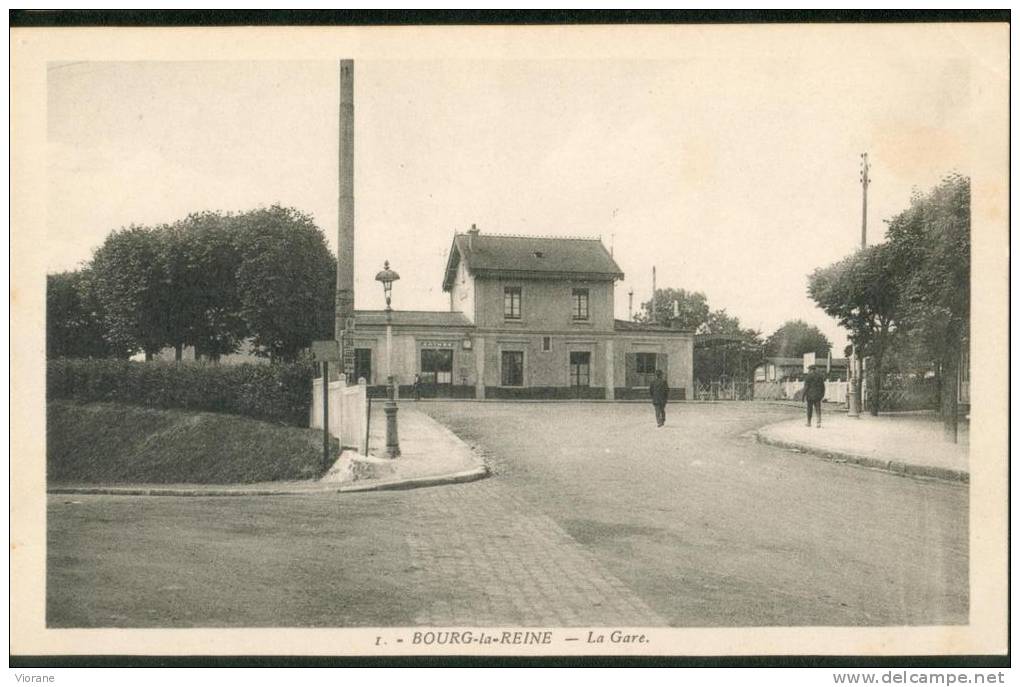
324, 352
386, 277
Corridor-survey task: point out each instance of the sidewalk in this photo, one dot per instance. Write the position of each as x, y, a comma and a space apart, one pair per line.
909, 444
430, 455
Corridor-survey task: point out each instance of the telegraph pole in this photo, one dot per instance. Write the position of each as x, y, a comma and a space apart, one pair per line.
865, 180
854, 409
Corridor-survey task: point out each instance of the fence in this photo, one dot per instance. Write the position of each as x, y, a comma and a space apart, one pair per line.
723, 390
835, 392
905, 394
348, 412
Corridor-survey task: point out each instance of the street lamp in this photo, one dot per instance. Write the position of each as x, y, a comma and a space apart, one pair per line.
387, 277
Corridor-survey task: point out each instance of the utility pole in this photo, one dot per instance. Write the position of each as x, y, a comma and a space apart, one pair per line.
854, 405
865, 180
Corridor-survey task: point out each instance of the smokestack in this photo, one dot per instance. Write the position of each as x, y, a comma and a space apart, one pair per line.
345, 217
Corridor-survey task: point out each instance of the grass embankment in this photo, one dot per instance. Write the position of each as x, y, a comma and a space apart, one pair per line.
111, 443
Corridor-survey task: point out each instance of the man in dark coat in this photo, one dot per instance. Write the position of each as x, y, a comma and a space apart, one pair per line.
660, 394
814, 392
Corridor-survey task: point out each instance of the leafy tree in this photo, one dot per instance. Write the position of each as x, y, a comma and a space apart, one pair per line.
74, 325
931, 243
209, 257
285, 280
795, 338
127, 281
693, 309
862, 292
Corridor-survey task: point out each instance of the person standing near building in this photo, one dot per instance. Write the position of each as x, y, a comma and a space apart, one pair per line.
416, 387
659, 391
814, 392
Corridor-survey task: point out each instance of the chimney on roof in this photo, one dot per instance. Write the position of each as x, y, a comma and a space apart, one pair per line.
472, 232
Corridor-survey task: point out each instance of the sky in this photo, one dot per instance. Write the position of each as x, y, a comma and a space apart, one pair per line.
732, 176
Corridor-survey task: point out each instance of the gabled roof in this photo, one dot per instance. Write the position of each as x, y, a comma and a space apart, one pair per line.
411, 318
536, 257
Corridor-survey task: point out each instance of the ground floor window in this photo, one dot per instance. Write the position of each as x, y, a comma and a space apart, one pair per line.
513, 368
436, 366
580, 368
641, 367
363, 364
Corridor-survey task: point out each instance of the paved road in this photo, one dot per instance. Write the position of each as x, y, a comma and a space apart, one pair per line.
594, 517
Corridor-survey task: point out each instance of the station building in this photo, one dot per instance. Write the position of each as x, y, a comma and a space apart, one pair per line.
529, 317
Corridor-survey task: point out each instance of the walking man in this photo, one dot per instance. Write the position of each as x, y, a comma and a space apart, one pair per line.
814, 392
660, 394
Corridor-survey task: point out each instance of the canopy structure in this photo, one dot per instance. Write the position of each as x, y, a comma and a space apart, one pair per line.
712, 340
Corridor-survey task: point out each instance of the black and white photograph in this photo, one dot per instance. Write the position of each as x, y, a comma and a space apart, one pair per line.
576, 340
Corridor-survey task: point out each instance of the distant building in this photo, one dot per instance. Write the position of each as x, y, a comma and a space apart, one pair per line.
245, 354
530, 317
776, 369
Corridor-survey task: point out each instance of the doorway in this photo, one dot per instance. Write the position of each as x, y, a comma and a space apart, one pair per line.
436, 372
580, 372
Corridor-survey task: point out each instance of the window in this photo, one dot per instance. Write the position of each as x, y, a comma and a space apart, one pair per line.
580, 304
513, 368
580, 368
641, 367
362, 365
645, 365
512, 302
436, 366
546, 343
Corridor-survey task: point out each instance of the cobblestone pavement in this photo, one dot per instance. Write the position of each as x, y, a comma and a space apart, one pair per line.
472, 554
593, 518
487, 558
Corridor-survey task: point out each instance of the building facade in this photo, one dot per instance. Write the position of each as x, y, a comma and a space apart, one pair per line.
529, 317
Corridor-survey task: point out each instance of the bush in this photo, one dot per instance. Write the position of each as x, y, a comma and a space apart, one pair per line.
277, 393
110, 443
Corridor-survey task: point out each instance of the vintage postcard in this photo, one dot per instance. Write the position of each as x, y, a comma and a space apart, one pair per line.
676, 340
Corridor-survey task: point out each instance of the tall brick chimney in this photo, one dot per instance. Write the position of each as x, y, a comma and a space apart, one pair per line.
345, 228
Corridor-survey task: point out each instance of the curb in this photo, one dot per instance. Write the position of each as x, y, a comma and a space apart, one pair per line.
391, 485
471, 475
894, 466
198, 491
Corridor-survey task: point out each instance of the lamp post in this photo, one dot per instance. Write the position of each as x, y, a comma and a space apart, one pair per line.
387, 277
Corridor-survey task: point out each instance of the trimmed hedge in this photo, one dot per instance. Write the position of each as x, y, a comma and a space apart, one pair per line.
277, 393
